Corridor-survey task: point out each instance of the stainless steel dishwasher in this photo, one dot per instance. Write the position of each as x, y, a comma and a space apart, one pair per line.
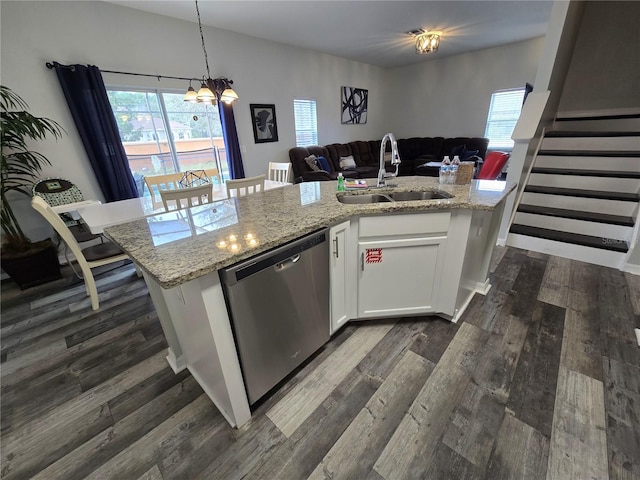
279, 308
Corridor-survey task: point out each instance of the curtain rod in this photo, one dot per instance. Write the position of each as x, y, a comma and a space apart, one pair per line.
50, 66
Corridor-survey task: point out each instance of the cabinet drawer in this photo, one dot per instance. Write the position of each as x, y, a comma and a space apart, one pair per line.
407, 224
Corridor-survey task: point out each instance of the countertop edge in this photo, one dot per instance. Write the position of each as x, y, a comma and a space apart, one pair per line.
170, 278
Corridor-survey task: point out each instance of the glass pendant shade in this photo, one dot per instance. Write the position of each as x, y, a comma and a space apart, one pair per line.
228, 95
427, 43
205, 95
191, 95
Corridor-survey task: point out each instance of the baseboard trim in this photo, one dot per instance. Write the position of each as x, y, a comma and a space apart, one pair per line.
631, 268
177, 364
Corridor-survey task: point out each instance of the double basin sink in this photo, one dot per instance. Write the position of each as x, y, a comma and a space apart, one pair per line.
392, 197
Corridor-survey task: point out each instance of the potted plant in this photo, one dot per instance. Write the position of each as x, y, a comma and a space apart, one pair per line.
28, 263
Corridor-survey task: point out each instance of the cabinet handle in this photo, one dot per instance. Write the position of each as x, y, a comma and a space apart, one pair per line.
336, 252
362, 261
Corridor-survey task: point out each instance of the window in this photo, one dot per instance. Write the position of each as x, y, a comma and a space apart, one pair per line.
306, 122
161, 133
503, 114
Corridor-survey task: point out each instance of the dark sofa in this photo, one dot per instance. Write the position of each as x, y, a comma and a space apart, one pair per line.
413, 152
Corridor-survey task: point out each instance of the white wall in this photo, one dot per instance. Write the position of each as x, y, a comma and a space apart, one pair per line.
604, 73
113, 37
450, 97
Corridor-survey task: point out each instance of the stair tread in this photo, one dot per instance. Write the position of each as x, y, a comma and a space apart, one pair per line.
588, 134
588, 153
577, 214
567, 237
575, 192
587, 173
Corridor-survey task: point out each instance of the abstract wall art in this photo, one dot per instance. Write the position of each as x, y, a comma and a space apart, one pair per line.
265, 128
354, 105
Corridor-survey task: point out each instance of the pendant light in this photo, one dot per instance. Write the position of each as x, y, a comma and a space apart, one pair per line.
210, 89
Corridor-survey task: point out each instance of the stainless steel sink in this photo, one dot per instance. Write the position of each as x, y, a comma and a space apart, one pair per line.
365, 198
409, 196
392, 197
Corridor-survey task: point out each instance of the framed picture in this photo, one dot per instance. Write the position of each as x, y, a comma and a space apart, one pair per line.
354, 105
265, 128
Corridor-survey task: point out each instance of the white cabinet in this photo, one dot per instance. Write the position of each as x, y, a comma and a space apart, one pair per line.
340, 275
400, 264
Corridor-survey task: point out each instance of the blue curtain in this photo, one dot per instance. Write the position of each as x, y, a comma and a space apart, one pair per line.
234, 157
89, 105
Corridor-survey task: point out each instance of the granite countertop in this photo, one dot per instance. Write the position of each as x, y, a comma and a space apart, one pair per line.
179, 246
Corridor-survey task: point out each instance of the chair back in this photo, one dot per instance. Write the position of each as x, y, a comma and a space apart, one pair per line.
187, 197
248, 185
60, 191
493, 165
157, 183
213, 174
98, 255
279, 172
44, 209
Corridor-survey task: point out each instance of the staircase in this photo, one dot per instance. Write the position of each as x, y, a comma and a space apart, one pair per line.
582, 198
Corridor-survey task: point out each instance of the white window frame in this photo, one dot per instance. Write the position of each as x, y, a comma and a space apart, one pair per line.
305, 115
504, 111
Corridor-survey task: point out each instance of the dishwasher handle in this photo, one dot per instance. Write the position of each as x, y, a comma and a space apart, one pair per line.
279, 256
288, 263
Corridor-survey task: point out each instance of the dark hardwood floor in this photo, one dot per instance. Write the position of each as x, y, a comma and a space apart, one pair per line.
540, 379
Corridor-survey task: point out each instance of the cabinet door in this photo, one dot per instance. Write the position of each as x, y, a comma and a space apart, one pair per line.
338, 271
399, 277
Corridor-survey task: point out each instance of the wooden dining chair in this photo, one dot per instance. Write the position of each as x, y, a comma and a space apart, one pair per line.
247, 185
279, 172
89, 257
157, 183
213, 174
187, 197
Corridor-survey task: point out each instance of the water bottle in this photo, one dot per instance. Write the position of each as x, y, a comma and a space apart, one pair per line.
453, 175
341, 182
445, 170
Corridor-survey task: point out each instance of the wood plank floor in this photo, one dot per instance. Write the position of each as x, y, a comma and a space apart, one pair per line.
539, 380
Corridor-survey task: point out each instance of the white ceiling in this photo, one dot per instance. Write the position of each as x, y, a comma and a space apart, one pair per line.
371, 31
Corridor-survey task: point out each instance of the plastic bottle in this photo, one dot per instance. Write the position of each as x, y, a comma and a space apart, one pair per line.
445, 170
340, 182
453, 175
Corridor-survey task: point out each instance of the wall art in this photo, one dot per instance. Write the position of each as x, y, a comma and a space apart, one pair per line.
354, 105
265, 128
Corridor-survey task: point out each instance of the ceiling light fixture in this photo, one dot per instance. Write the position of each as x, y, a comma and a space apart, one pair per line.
427, 43
210, 89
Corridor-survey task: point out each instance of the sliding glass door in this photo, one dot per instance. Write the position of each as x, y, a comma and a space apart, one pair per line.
163, 134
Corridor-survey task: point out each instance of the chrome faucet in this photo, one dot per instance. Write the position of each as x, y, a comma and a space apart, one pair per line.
395, 159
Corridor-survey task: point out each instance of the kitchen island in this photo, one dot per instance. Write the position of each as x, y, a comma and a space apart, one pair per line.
388, 259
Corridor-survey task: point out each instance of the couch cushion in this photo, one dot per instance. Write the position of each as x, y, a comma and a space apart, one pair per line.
462, 152
324, 163
337, 150
374, 146
313, 163
430, 146
319, 151
296, 157
347, 163
409, 148
368, 171
362, 154
475, 143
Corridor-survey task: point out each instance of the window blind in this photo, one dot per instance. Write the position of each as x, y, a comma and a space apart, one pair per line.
504, 112
306, 122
